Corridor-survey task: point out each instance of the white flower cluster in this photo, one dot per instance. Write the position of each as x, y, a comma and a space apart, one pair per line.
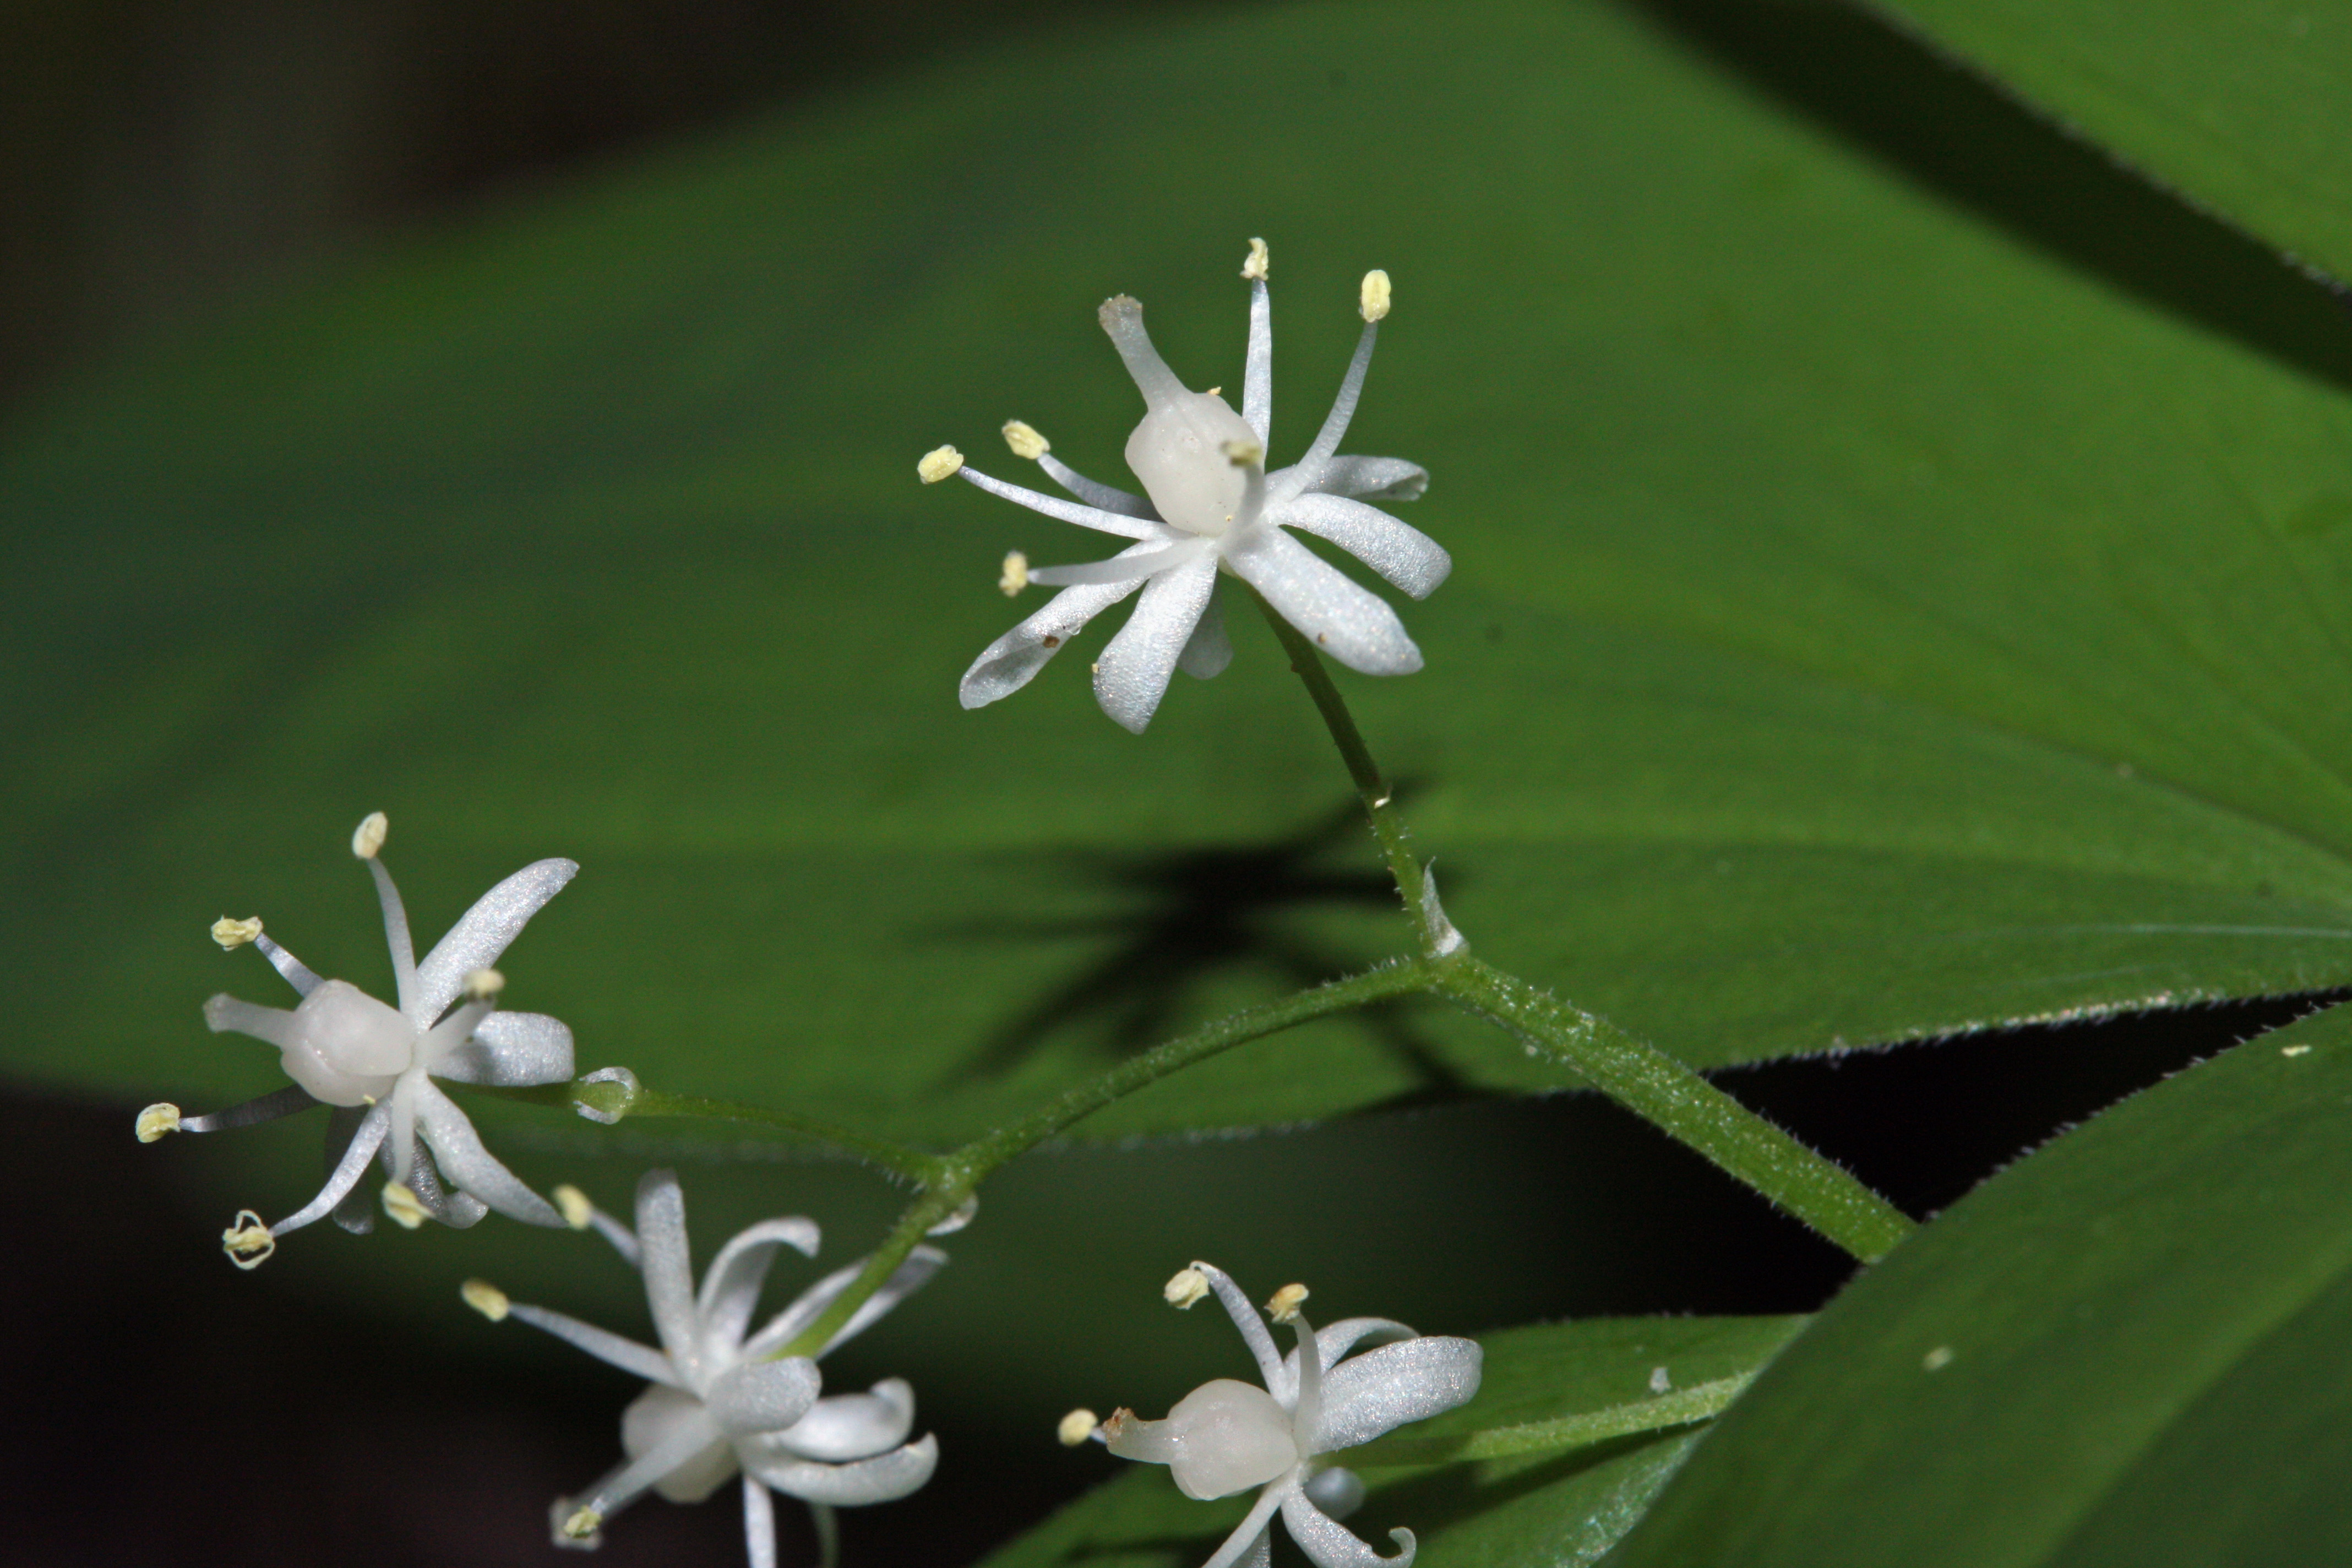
1328, 1395
1210, 506
376, 1063
723, 1400
720, 1402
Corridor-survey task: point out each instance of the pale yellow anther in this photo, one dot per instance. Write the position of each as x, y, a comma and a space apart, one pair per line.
247, 1242
367, 838
158, 1121
573, 1204
583, 1523
486, 1299
1283, 1307
1242, 454
1016, 573
1373, 302
406, 1209
232, 934
1256, 267
937, 465
481, 984
1026, 444
1076, 1427
1188, 1287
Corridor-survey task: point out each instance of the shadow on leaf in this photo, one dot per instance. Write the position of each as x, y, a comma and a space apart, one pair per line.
1179, 921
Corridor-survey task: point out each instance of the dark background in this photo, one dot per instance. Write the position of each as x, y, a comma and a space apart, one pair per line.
162, 163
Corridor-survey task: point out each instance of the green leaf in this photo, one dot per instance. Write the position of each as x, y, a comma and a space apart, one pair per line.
1867, 624
2234, 106
1562, 1509
2126, 1349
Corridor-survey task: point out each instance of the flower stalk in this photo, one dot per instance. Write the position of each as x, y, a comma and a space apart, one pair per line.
1638, 1076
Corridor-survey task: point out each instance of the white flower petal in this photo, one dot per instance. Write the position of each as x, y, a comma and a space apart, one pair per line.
665, 1262
1382, 1389
1381, 478
905, 1281
1006, 665
1336, 1340
1133, 673
1209, 650
472, 1168
477, 941
1351, 623
731, 1286
759, 1525
642, 1360
1397, 551
510, 1050
764, 1395
678, 1463
1332, 1545
883, 1478
1251, 1544
348, 1171
850, 1426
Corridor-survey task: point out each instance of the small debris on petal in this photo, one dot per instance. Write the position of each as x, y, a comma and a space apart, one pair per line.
573, 1204
160, 1121
1016, 574
1283, 1307
406, 1209
1026, 444
1258, 264
1076, 1427
247, 1242
481, 984
1936, 1359
940, 463
625, 1084
1374, 299
233, 934
1188, 1286
1242, 454
1659, 1382
486, 1299
960, 1216
367, 838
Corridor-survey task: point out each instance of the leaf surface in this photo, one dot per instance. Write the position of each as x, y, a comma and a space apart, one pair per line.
1867, 623
2132, 1339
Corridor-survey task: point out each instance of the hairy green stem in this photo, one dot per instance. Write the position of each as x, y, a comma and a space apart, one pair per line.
1679, 1408
1371, 785
1638, 1076
1680, 1103
954, 1176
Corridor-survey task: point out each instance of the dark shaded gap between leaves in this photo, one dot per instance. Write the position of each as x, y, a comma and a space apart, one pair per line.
1961, 136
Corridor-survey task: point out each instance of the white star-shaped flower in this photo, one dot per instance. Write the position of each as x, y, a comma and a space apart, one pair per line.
1209, 506
1226, 1436
375, 1063
716, 1406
